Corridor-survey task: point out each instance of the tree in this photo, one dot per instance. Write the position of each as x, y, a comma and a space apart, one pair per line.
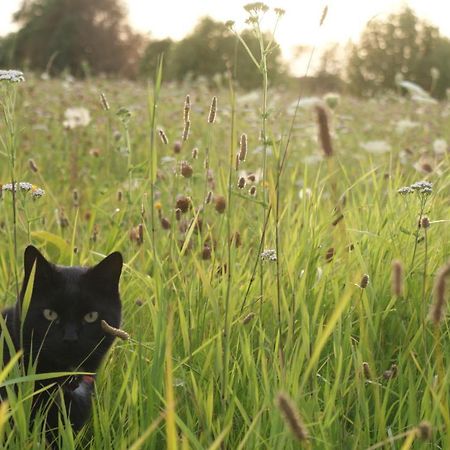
73, 34
403, 45
209, 50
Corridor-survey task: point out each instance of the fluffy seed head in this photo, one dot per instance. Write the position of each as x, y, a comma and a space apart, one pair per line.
292, 417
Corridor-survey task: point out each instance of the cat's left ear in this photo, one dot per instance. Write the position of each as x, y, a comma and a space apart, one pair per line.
106, 273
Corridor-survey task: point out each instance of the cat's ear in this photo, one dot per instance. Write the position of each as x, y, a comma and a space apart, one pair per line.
106, 273
44, 269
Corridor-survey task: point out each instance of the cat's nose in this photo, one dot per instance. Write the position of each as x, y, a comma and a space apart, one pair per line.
70, 334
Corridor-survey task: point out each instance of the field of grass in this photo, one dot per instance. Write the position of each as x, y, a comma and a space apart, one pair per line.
217, 332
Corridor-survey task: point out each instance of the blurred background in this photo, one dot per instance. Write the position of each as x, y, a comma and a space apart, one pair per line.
361, 47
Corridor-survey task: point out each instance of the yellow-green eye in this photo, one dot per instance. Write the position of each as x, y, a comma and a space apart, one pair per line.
91, 317
49, 314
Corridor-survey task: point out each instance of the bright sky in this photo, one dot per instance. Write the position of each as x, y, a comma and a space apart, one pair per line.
346, 18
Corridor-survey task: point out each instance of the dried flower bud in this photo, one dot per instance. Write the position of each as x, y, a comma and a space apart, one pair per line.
165, 223
220, 203
252, 191
248, 318
424, 430
366, 370
195, 153
251, 177
425, 223
178, 214
75, 198
177, 147
183, 203
186, 169
241, 183
208, 198
329, 255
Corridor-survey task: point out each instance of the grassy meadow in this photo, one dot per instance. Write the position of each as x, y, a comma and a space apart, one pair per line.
261, 297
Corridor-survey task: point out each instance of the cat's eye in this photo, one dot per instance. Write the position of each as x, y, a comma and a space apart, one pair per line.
91, 317
49, 314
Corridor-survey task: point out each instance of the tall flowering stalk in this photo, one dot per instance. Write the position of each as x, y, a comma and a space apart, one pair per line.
8, 81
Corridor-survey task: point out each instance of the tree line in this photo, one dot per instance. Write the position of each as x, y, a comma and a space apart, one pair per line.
87, 37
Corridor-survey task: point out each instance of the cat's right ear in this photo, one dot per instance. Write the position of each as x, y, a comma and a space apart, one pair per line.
43, 268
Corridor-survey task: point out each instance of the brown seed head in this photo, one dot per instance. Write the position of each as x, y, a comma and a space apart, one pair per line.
208, 198
329, 255
364, 281
178, 214
366, 371
397, 278
206, 253
195, 153
177, 147
220, 203
163, 137
32, 165
183, 203
187, 108
108, 329
292, 417
248, 318
252, 191
324, 131
425, 222
241, 183
119, 196
243, 148
187, 127
186, 169
424, 430
165, 223
104, 102
212, 110
439, 306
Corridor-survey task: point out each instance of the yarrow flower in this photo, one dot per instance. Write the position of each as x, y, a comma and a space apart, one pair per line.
13, 76
421, 187
76, 117
269, 255
24, 186
405, 190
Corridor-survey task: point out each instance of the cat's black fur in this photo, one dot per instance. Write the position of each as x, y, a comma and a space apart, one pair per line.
68, 343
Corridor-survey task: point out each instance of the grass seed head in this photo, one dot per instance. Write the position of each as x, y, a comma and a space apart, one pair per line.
104, 102
206, 252
248, 318
364, 281
252, 191
187, 108
424, 430
177, 147
292, 417
241, 183
212, 110
187, 127
366, 371
397, 278
32, 165
324, 131
117, 332
439, 306
243, 147
195, 153
163, 137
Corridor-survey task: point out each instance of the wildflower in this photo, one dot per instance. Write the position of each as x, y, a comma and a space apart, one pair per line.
279, 11
256, 7
76, 117
186, 169
425, 222
124, 115
404, 125
440, 146
269, 255
229, 23
37, 192
13, 76
405, 190
183, 203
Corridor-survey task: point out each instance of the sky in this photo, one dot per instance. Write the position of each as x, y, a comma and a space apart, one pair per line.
345, 20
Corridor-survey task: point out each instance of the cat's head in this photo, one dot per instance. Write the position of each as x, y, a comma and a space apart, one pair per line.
62, 326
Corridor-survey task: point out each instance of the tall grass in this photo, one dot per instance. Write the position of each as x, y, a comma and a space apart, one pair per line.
313, 334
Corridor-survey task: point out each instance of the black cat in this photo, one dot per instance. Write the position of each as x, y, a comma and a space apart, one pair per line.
62, 330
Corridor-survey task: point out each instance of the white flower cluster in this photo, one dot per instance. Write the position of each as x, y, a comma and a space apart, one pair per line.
13, 76
421, 187
76, 117
269, 255
24, 186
